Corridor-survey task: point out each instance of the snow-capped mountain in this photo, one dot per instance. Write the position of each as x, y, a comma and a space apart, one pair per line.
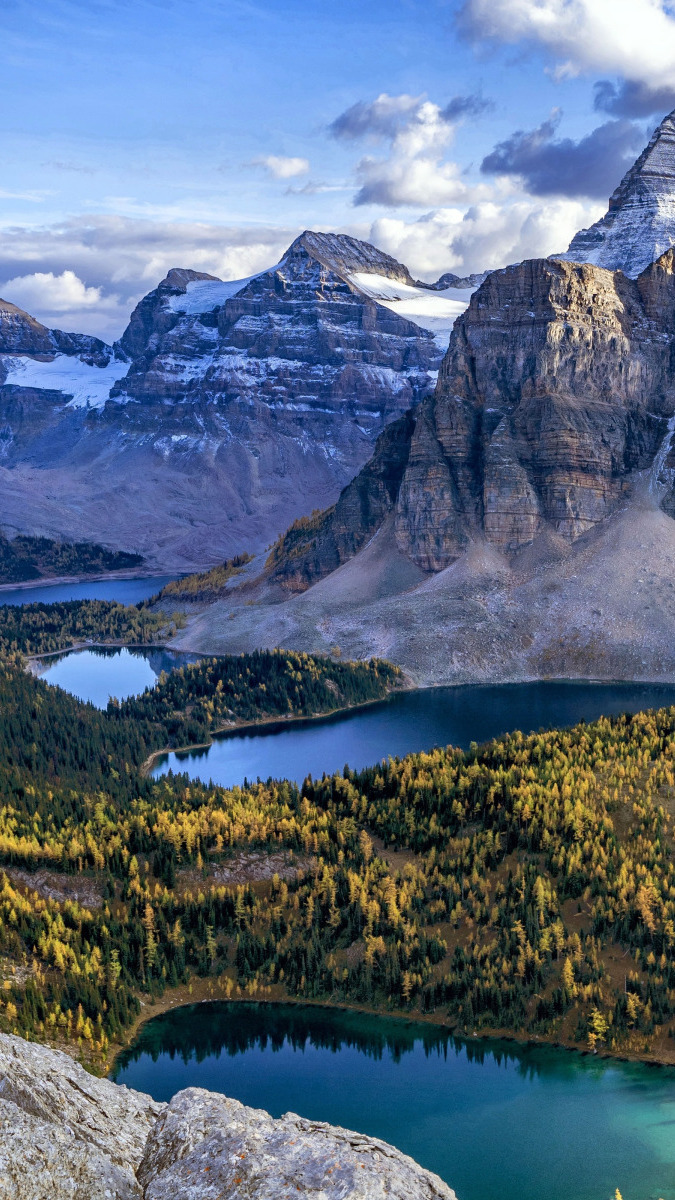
639, 224
226, 410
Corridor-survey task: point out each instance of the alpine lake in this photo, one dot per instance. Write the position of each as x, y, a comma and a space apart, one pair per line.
492, 1118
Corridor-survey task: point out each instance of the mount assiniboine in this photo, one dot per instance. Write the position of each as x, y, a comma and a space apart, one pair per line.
639, 225
518, 523
225, 411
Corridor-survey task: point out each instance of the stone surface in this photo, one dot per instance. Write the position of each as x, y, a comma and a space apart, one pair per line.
226, 410
50, 1086
207, 1146
45, 1160
639, 225
65, 1135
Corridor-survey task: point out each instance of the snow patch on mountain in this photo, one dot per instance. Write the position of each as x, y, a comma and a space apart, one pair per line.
88, 387
436, 311
202, 297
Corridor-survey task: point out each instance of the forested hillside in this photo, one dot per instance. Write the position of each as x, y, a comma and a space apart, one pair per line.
27, 558
527, 885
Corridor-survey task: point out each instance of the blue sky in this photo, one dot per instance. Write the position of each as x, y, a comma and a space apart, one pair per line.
208, 133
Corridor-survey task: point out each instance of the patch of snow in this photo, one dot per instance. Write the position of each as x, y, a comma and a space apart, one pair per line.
203, 295
88, 386
435, 311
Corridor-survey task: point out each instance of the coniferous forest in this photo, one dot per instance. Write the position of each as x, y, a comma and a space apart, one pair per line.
527, 885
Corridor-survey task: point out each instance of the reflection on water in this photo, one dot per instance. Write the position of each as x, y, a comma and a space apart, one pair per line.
492, 1118
97, 674
409, 722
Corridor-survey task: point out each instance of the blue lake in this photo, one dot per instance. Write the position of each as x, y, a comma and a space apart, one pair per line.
407, 722
125, 591
97, 674
496, 1121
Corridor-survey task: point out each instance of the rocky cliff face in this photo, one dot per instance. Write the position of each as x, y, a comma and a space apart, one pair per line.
21, 334
639, 225
552, 398
552, 395
226, 410
520, 523
65, 1135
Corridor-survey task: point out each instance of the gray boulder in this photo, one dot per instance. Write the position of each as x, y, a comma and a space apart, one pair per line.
66, 1135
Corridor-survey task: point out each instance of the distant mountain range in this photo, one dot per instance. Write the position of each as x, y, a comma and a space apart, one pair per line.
229, 409
226, 409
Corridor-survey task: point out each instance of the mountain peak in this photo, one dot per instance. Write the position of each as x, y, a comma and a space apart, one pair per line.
346, 255
178, 278
639, 225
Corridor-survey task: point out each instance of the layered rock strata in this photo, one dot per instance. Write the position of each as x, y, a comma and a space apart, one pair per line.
226, 409
551, 406
65, 1135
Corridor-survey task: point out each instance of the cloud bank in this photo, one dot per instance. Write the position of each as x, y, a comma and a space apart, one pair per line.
634, 39
414, 171
550, 166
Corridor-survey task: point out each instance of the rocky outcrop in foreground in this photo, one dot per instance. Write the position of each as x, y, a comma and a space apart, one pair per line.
65, 1135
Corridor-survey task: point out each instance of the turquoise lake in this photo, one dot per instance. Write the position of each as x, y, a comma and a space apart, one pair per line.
496, 1121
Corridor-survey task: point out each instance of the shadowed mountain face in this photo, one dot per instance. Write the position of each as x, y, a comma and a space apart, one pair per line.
225, 411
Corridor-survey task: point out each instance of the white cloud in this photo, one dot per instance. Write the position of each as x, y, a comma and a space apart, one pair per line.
280, 167
488, 235
382, 117
631, 38
414, 173
57, 293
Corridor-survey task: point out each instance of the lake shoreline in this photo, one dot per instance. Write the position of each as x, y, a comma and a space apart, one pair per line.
202, 991
78, 646
267, 724
56, 580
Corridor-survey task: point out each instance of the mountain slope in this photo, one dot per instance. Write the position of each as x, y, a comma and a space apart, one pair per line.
639, 224
518, 524
225, 411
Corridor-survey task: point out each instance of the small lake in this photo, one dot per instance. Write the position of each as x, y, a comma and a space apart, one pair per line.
408, 722
125, 591
496, 1121
97, 674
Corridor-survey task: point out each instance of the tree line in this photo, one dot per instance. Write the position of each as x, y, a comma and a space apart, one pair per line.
526, 885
